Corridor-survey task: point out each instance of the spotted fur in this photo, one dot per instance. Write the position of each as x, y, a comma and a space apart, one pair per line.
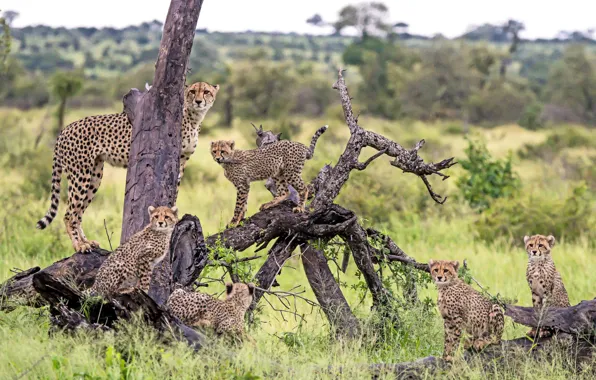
202, 310
464, 309
131, 264
543, 278
84, 146
282, 160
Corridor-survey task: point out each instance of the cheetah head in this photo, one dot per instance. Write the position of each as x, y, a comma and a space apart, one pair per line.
163, 218
443, 272
539, 246
200, 96
222, 150
242, 294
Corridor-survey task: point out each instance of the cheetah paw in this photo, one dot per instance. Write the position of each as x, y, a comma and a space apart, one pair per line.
83, 247
298, 209
94, 244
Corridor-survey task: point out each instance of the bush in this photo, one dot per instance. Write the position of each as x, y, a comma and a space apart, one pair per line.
557, 142
487, 178
499, 102
511, 219
531, 117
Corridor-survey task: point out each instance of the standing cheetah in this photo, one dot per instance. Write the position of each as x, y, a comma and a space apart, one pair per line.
132, 263
83, 147
202, 310
282, 160
543, 278
464, 309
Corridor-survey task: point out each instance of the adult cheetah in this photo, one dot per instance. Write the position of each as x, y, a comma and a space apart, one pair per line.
84, 146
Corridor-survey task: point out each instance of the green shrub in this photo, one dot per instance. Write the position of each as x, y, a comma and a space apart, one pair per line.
558, 141
510, 219
531, 117
486, 178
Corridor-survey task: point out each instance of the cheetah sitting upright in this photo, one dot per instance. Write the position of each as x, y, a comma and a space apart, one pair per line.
83, 147
203, 310
464, 309
132, 263
542, 275
282, 160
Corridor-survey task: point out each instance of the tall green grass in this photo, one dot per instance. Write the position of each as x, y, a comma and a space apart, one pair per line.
286, 347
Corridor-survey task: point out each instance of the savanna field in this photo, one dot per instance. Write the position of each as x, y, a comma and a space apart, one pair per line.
554, 195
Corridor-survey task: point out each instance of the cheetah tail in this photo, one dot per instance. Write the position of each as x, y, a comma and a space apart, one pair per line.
55, 196
313, 142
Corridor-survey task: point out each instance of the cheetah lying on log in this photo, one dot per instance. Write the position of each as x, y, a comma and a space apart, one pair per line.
203, 310
84, 146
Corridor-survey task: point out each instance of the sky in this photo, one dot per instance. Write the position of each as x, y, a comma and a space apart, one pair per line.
427, 17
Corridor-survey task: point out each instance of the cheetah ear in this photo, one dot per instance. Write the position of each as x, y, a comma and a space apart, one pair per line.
175, 210
455, 265
151, 209
526, 238
229, 287
278, 136
551, 240
431, 262
232, 143
216, 87
251, 288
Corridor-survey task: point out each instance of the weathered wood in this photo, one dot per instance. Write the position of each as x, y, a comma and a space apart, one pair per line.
579, 319
407, 160
131, 100
579, 350
328, 293
67, 301
78, 268
278, 254
187, 258
153, 167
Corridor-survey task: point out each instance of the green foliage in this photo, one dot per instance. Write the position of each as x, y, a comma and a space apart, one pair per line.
486, 178
499, 102
531, 118
557, 142
5, 42
65, 84
570, 218
572, 86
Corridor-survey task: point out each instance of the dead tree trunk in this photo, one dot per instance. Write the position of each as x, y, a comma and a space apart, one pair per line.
329, 295
154, 161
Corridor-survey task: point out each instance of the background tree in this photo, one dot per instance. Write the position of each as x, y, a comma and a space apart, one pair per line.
4, 42
572, 86
369, 19
10, 16
63, 86
512, 29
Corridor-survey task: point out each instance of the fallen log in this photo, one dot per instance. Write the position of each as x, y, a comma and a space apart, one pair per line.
66, 302
579, 319
79, 268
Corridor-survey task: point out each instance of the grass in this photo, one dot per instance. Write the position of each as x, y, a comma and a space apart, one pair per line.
284, 348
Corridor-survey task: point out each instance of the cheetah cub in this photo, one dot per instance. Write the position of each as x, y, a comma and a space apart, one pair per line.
282, 160
543, 278
84, 146
131, 264
203, 310
464, 309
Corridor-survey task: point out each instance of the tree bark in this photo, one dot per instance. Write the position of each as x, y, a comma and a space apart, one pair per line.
329, 295
188, 256
78, 268
154, 158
